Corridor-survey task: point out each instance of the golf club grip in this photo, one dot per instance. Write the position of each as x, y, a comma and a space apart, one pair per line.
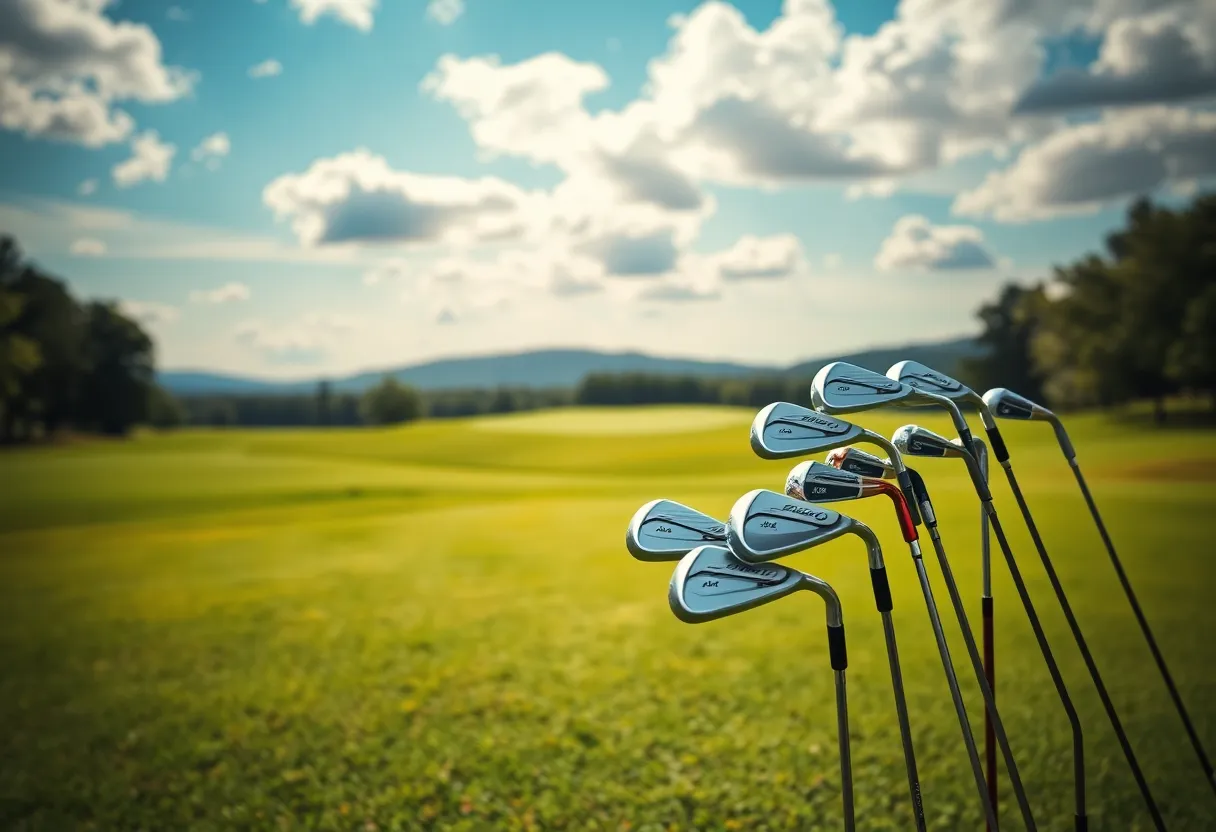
836, 648
905, 485
990, 675
997, 442
882, 589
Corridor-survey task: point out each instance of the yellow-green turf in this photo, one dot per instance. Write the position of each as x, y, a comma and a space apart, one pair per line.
438, 627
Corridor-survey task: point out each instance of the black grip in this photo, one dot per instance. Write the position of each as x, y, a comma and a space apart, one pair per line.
882, 589
922, 496
840, 658
905, 485
1082, 823
997, 443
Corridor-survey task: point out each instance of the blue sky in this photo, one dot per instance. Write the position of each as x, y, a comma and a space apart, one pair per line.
419, 179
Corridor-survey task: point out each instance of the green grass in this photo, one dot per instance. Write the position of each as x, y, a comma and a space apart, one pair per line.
438, 627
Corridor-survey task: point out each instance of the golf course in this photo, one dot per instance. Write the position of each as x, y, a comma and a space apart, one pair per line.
438, 626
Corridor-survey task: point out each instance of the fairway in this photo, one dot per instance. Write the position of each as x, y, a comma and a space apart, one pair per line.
438, 627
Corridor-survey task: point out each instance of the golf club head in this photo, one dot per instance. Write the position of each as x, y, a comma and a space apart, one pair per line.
913, 440
846, 388
664, 530
857, 461
918, 376
783, 430
709, 583
1009, 405
815, 481
765, 525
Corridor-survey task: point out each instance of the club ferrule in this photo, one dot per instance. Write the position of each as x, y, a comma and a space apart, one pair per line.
997, 442
836, 649
882, 589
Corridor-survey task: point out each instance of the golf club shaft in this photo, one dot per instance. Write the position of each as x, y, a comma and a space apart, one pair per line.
905, 730
1083, 647
952, 681
994, 717
1144, 628
1078, 743
988, 624
846, 761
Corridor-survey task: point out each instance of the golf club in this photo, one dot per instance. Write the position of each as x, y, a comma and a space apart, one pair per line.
782, 431
710, 583
857, 461
1009, 405
762, 518
935, 386
828, 484
664, 530
917, 441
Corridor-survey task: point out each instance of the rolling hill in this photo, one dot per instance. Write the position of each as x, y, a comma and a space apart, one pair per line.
555, 368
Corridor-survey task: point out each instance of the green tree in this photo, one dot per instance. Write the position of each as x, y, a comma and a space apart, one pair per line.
164, 410
1192, 359
391, 402
19, 358
324, 402
119, 370
1009, 324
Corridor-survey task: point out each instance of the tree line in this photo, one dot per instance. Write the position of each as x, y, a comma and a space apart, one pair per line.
1136, 321
66, 363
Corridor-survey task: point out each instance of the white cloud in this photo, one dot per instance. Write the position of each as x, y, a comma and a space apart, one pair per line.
445, 12
356, 13
266, 69
177, 14
446, 316
357, 197
149, 313
64, 64
87, 188
915, 243
832, 261
752, 258
306, 341
678, 292
150, 160
88, 247
1168, 55
221, 294
212, 150
1084, 167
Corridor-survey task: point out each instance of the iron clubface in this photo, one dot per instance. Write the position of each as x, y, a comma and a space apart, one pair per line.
841, 387
783, 430
856, 461
920, 377
765, 525
664, 530
913, 440
1009, 405
710, 583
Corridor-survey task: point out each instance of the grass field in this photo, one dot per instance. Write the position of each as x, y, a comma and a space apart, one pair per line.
438, 627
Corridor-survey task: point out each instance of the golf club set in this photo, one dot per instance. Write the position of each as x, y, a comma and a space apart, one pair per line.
727, 568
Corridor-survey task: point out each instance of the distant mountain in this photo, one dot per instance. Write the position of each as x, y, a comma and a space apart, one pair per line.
555, 368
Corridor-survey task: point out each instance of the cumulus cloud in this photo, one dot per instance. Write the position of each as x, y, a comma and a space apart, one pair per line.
266, 69
357, 197
177, 14
150, 161
88, 247
678, 292
1166, 56
761, 258
64, 64
87, 188
212, 150
221, 294
357, 13
634, 255
149, 313
305, 341
915, 243
445, 12
1084, 167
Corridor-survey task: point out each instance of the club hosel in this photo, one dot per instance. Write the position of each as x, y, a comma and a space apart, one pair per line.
836, 647
873, 547
901, 472
1062, 438
977, 477
997, 442
922, 498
